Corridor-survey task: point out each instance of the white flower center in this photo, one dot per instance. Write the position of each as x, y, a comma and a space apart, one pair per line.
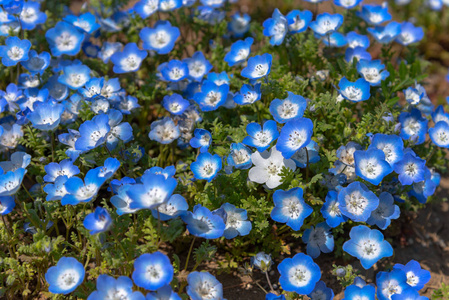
356, 203
15, 53
65, 41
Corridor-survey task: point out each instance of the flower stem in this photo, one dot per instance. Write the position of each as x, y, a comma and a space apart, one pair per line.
190, 252
269, 281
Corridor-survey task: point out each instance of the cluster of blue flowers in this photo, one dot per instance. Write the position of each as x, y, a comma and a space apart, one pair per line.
54, 89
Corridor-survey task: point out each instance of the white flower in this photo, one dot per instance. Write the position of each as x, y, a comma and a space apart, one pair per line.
268, 167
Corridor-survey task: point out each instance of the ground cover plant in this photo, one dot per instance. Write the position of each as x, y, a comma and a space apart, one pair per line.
142, 140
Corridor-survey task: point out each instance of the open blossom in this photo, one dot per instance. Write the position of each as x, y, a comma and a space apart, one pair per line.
268, 167
203, 285
299, 274
368, 245
357, 202
66, 276
290, 208
152, 271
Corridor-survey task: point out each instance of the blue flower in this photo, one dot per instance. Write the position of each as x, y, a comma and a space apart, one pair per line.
309, 152
14, 51
64, 168
259, 137
161, 38
374, 14
10, 181
372, 71
385, 34
436, 5
271, 296
79, 191
292, 107
326, 23
164, 131
276, 27
409, 34
368, 245
391, 145
321, 292
75, 76
122, 201
174, 207
196, 283
335, 39
198, 66
163, 293
90, 49
236, 221
85, 22
206, 166
174, 71
201, 139
347, 4
203, 223
239, 25
175, 104
248, 94
239, 52
439, 134
440, 115
7, 204
169, 5
408, 294
258, 66
295, 135
129, 59
391, 283
386, 211
416, 277
354, 91
212, 96
109, 287
57, 190
298, 21
410, 169
152, 271
64, 39
37, 63
318, 239
218, 78
357, 40
153, 191
423, 189
413, 126
120, 131
371, 165
331, 210
358, 53
98, 221
146, 8
239, 157
290, 208
46, 116
357, 202
93, 133
108, 49
354, 292
66, 276
56, 89
299, 274
210, 15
